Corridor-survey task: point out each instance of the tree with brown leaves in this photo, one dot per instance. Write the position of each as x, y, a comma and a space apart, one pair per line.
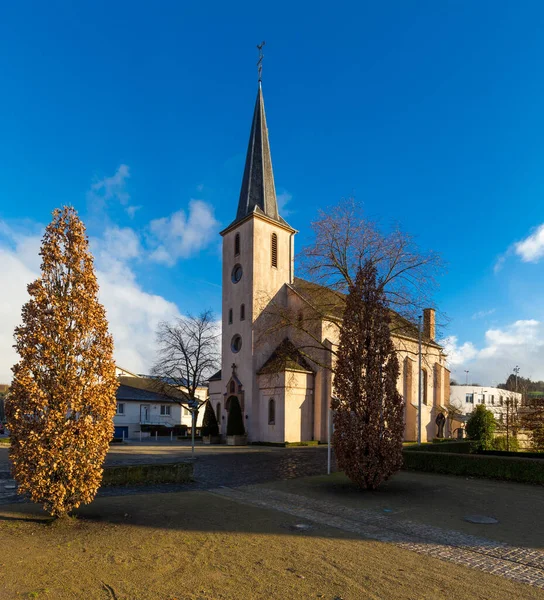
62, 399
368, 418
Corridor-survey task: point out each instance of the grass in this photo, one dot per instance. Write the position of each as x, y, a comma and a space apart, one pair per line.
197, 546
4, 441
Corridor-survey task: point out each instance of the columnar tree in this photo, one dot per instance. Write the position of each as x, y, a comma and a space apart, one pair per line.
481, 427
235, 420
368, 419
210, 427
61, 403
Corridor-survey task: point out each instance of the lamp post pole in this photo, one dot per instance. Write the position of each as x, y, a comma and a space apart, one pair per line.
419, 389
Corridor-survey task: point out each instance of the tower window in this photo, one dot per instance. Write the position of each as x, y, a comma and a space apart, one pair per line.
274, 251
424, 386
230, 316
237, 273
237, 244
236, 343
271, 411
242, 312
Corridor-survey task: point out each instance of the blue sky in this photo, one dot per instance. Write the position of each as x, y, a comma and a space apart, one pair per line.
428, 112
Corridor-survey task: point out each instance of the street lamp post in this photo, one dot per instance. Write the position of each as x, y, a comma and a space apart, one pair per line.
466, 376
516, 371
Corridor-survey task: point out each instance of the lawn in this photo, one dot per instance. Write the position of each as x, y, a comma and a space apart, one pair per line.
194, 545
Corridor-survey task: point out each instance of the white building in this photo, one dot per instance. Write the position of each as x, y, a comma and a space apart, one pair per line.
498, 401
140, 403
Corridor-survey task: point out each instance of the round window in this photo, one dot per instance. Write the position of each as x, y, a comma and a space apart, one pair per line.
236, 343
236, 273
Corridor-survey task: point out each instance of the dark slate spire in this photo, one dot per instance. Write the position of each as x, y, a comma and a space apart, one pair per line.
258, 193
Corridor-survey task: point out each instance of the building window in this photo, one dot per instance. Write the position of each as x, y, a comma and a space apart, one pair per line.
242, 312
274, 251
424, 386
237, 244
483, 399
232, 387
236, 343
218, 412
120, 408
469, 399
165, 410
502, 400
492, 399
237, 273
271, 411
230, 316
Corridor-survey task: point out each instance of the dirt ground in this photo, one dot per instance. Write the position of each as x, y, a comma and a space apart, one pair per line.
440, 500
194, 545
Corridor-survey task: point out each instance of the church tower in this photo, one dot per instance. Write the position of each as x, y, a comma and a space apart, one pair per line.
258, 248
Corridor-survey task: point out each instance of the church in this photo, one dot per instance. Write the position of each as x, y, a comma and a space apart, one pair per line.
285, 393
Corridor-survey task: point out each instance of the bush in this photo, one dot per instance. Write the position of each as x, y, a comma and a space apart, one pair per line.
523, 470
501, 443
210, 426
235, 421
464, 447
481, 427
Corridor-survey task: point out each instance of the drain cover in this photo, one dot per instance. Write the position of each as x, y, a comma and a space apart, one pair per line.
301, 527
481, 519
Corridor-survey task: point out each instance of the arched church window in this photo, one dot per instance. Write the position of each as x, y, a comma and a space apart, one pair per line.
237, 273
237, 244
218, 412
232, 388
271, 411
236, 343
424, 386
242, 312
274, 250
230, 316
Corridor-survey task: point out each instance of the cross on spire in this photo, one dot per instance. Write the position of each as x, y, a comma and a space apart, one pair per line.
260, 61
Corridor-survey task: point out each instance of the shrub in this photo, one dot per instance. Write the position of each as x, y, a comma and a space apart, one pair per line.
209, 422
523, 470
505, 445
464, 447
235, 421
481, 427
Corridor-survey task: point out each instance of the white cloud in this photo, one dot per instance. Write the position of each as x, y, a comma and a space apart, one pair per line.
133, 314
483, 313
531, 249
520, 342
181, 235
283, 199
110, 189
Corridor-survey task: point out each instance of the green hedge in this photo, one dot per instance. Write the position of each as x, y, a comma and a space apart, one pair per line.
181, 472
523, 470
463, 447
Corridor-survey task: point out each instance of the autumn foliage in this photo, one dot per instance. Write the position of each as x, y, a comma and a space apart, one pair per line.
368, 419
62, 400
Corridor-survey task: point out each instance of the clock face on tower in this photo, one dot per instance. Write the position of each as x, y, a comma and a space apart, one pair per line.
236, 273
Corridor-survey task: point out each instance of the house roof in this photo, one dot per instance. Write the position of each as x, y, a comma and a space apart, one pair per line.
216, 376
142, 389
285, 357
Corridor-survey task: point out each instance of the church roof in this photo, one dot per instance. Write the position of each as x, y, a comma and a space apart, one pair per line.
285, 357
331, 303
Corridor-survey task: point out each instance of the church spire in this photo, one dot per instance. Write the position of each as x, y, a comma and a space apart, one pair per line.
258, 193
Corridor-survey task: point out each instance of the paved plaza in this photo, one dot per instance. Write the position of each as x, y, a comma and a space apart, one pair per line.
421, 512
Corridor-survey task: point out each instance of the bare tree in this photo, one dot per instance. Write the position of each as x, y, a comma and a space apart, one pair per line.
188, 354
453, 413
344, 240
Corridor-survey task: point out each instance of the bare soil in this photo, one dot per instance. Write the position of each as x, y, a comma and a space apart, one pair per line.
197, 546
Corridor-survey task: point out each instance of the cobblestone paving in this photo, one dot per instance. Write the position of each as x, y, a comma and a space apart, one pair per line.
519, 564
210, 470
